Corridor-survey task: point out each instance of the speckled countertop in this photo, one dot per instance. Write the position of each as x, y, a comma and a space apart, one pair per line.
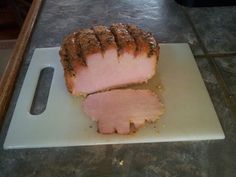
211, 33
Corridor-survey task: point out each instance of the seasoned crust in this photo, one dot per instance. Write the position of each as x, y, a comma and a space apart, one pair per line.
105, 37
70, 53
145, 41
77, 46
71, 46
124, 40
69, 72
88, 42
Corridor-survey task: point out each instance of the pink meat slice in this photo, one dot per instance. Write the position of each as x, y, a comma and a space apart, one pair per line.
122, 111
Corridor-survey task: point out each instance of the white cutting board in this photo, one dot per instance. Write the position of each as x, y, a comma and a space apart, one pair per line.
189, 115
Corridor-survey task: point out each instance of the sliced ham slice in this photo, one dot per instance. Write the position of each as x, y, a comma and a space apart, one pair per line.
102, 58
122, 111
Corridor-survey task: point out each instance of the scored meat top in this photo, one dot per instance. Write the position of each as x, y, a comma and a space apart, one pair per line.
125, 38
101, 57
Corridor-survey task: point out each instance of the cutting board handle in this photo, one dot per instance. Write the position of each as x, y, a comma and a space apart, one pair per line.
41, 92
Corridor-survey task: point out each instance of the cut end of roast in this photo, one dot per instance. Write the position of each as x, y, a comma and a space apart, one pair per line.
102, 58
122, 111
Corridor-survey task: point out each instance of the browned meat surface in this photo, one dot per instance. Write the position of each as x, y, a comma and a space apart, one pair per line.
102, 57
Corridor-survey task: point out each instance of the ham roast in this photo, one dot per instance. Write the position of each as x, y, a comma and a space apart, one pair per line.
123, 110
102, 58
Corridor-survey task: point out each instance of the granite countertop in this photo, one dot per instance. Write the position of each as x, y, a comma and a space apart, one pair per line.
211, 34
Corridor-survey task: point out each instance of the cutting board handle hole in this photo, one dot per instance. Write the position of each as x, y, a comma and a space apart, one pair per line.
41, 94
